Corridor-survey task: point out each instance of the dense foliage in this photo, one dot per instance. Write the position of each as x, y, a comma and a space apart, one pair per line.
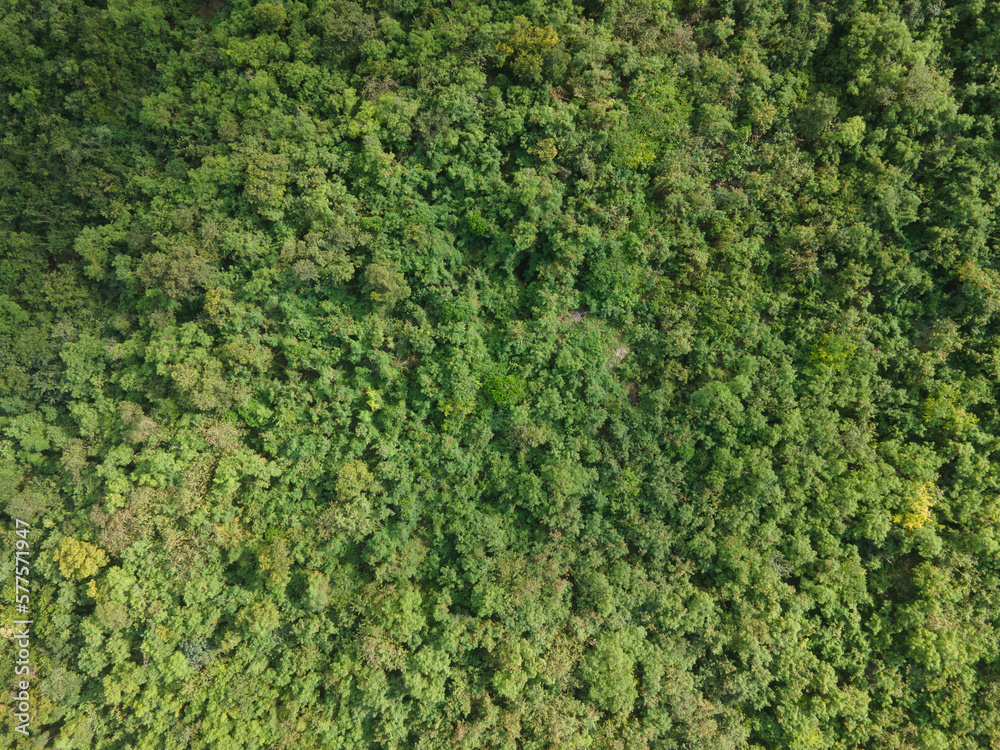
503, 375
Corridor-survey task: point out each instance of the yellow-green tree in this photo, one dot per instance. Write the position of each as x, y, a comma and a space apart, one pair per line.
78, 559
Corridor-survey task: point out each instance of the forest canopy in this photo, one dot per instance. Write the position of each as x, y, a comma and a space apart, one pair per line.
422, 374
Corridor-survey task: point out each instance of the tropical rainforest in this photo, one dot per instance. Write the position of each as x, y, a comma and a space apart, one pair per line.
609, 374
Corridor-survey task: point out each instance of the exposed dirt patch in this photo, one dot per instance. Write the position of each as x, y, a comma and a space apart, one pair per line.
633, 392
208, 10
